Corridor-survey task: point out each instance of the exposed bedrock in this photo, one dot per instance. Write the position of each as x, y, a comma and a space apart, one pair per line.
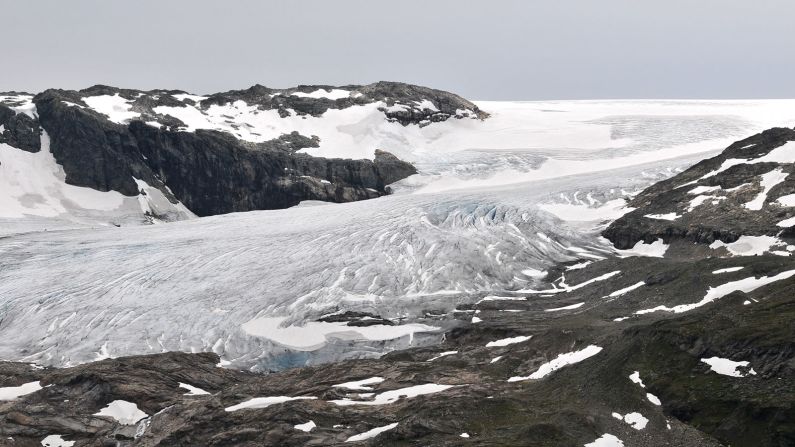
718, 199
440, 105
19, 130
209, 171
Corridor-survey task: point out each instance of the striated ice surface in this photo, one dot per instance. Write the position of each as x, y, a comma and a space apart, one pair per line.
491, 208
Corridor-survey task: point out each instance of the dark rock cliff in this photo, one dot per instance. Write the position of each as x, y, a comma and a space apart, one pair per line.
19, 130
93, 151
211, 172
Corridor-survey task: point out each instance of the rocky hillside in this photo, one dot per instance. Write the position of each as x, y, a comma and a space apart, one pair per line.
747, 192
668, 344
227, 152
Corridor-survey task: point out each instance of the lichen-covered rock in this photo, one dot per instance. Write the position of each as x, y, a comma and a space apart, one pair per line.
718, 199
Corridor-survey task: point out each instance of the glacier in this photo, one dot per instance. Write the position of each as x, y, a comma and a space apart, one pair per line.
494, 203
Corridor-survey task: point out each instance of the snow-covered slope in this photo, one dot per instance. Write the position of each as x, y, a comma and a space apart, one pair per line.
475, 221
227, 152
33, 185
34, 193
349, 122
453, 143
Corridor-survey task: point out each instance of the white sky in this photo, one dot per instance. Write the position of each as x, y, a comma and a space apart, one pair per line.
496, 49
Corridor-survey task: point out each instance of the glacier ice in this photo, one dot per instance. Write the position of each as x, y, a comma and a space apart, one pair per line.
475, 222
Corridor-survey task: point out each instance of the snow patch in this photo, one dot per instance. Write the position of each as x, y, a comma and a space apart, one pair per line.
635, 378
443, 354
788, 200
574, 287
668, 216
154, 203
426, 104
14, 392
360, 384
702, 189
533, 273
264, 402
656, 249
626, 290
724, 166
560, 361
782, 154
192, 390
748, 245
371, 433
573, 306
56, 441
508, 341
388, 397
314, 334
125, 413
713, 293
334, 93
727, 270
116, 108
786, 223
767, 182
194, 98
728, 367
306, 427
606, 440
33, 184
502, 298
699, 200
634, 419
579, 265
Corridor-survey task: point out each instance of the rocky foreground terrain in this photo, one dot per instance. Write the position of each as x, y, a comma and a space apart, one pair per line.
683, 337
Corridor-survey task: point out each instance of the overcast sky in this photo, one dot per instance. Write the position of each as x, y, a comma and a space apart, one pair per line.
489, 49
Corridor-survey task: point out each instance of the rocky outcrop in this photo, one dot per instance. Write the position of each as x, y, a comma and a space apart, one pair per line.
211, 172
409, 99
111, 139
718, 199
19, 130
93, 151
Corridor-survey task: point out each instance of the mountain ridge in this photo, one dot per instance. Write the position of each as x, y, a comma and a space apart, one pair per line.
127, 138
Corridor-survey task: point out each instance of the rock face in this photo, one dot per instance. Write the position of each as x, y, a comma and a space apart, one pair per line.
221, 153
94, 152
403, 103
19, 130
211, 172
719, 199
693, 348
